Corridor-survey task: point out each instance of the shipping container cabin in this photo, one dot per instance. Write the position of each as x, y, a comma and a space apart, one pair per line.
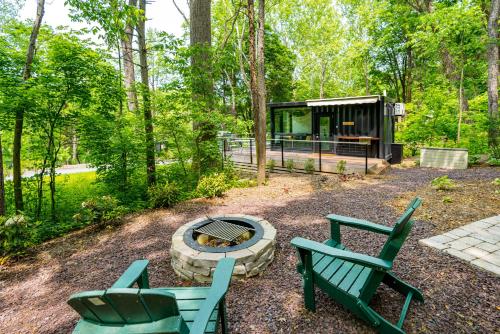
342, 121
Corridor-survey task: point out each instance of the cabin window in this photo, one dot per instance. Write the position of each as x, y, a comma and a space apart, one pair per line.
294, 122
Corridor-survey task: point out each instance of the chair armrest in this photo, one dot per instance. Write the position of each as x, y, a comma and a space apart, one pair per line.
360, 224
358, 258
218, 290
137, 272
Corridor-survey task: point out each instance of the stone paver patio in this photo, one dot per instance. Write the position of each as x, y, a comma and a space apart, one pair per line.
477, 243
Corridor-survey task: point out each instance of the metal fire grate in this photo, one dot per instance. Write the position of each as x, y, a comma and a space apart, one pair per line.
222, 230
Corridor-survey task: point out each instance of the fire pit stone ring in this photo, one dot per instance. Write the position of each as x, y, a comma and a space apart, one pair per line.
194, 262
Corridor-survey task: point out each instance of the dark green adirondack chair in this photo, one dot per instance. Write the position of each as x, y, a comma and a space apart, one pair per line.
122, 309
352, 278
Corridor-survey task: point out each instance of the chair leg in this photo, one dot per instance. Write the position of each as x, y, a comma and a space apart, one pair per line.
377, 321
401, 286
223, 316
309, 298
307, 280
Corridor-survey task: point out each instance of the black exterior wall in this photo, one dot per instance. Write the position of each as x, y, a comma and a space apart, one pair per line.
349, 120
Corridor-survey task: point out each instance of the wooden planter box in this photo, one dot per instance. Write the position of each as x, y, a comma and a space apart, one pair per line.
449, 158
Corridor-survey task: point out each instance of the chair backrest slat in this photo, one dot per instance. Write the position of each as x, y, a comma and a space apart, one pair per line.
160, 304
79, 306
128, 303
93, 305
124, 306
399, 232
391, 248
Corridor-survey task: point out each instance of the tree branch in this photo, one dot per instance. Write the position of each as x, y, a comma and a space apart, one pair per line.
181, 12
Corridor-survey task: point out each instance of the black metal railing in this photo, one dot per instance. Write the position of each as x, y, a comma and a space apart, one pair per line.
305, 155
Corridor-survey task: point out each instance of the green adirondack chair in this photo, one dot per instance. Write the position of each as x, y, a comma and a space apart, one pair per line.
123, 309
352, 278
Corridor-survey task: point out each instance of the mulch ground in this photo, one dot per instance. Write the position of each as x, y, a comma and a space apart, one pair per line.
449, 209
459, 297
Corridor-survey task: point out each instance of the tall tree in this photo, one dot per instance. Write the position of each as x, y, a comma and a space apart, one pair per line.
492, 54
146, 99
2, 183
202, 79
257, 84
260, 119
252, 62
128, 62
18, 130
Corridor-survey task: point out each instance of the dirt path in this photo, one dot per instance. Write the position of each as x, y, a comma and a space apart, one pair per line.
459, 298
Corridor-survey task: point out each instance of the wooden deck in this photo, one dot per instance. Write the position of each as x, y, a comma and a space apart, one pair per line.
241, 156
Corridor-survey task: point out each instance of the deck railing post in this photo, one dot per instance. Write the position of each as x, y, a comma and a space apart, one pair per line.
366, 159
282, 154
319, 150
251, 156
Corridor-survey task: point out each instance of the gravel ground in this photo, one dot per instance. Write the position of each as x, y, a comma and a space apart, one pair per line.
459, 298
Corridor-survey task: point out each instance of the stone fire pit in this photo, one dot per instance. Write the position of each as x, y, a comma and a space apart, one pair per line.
196, 262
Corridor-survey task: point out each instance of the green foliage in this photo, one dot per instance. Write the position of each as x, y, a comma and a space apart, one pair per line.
496, 182
474, 159
443, 183
244, 183
164, 196
447, 199
493, 161
289, 165
101, 209
494, 158
309, 166
271, 164
214, 185
341, 166
495, 152
15, 235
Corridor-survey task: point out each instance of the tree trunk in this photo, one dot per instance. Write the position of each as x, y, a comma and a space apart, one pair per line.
493, 54
231, 78
74, 147
18, 129
260, 125
52, 183
201, 41
2, 182
146, 99
39, 203
252, 62
201, 78
128, 63
460, 104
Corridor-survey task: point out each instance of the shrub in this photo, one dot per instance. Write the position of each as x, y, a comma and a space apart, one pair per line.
214, 185
496, 182
443, 183
289, 165
447, 199
495, 152
100, 209
14, 234
271, 164
474, 159
164, 196
493, 161
341, 166
309, 166
230, 171
244, 183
